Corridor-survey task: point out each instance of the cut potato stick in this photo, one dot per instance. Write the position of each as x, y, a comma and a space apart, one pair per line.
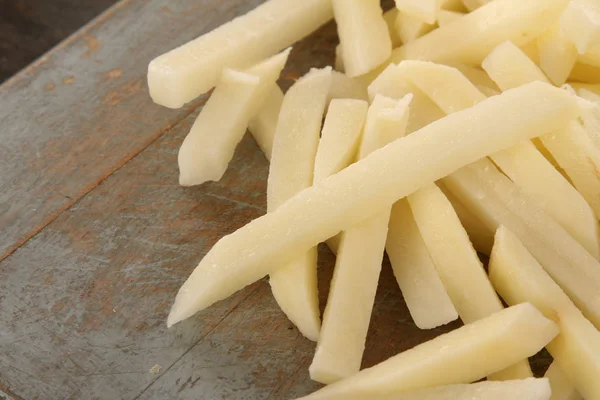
209, 147
528, 168
392, 83
497, 201
457, 262
410, 27
350, 196
294, 149
340, 137
532, 51
480, 235
422, 289
480, 31
422, 10
458, 265
464, 355
358, 264
591, 117
344, 87
581, 24
558, 55
186, 72
571, 147
509, 67
445, 17
561, 386
478, 77
523, 163
363, 35
585, 73
577, 154
390, 19
263, 125
525, 389
518, 277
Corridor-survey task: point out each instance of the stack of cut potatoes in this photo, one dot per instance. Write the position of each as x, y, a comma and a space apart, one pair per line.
444, 128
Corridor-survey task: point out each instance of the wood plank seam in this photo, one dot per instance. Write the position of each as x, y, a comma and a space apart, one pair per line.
89, 188
199, 340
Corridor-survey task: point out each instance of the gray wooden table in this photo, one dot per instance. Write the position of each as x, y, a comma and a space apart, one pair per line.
96, 236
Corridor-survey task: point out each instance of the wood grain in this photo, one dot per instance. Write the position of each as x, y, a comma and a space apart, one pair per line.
97, 236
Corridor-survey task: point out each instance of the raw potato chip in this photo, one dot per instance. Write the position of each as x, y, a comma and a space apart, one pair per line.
562, 388
480, 31
558, 55
422, 10
320, 212
498, 201
186, 72
363, 35
581, 24
209, 147
358, 264
263, 125
295, 147
458, 265
410, 27
422, 289
518, 277
464, 355
526, 389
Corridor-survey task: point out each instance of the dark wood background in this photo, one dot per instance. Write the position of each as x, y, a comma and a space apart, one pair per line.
29, 28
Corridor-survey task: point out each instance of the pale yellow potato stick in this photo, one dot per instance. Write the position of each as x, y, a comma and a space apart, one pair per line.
392, 83
458, 264
524, 389
591, 57
526, 166
410, 27
560, 385
209, 146
294, 149
480, 31
422, 289
445, 17
581, 24
523, 163
481, 236
348, 197
453, 5
340, 138
344, 87
591, 117
358, 264
571, 146
478, 77
263, 125
464, 355
390, 19
363, 35
186, 72
577, 154
558, 55
518, 278
532, 50
509, 67
498, 201
422, 10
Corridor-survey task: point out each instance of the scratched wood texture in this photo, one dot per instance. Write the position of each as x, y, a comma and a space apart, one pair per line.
96, 235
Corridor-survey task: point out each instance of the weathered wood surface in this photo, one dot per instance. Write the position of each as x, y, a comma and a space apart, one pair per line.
29, 28
96, 236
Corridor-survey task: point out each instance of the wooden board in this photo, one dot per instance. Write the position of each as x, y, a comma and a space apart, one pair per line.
96, 235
